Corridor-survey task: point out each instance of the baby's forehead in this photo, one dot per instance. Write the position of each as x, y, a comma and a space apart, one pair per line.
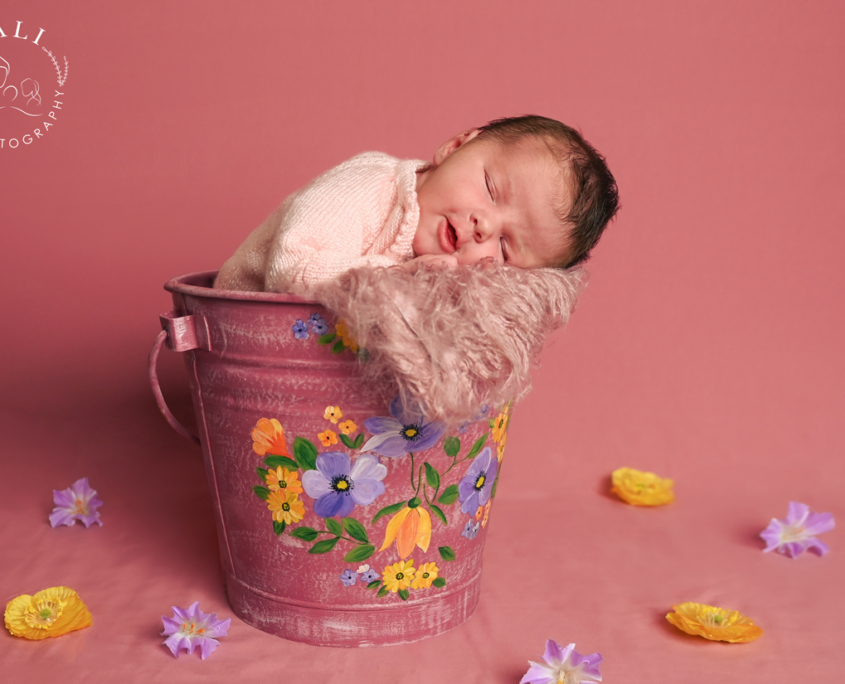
544, 160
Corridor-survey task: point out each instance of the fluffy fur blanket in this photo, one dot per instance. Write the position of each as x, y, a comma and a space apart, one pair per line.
454, 340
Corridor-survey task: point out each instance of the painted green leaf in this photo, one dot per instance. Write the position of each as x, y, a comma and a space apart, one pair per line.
278, 527
439, 582
324, 546
359, 440
261, 492
283, 461
476, 447
262, 472
451, 445
338, 347
305, 533
305, 453
432, 476
403, 594
449, 495
374, 584
327, 338
439, 513
447, 553
389, 510
360, 553
355, 529
495, 487
334, 527
382, 592
348, 442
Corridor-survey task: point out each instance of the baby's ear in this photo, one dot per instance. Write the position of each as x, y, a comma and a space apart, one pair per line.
453, 144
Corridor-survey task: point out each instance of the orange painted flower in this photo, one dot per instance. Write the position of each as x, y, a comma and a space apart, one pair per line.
333, 413
49, 613
714, 623
486, 513
409, 527
328, 438
425, 575
268, 437
399, 575
500, 447
478, 513
283, 479
500, 425
343, 333
286, 506
642, 489
347, 427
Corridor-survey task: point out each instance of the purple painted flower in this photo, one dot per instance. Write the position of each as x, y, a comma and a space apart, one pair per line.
189, 628
338, 485
369, 576
300, 330
563, 666
78, 502
406, 431
471, 529
797, 533
474, 489
348, 577
318, 324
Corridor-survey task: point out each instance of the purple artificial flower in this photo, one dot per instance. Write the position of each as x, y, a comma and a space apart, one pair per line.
79, 502
474, 489
405, 432
563, 666
191, 628
338, 486
348, 577
318, 324
795, 535
300, 330
369, 576
471, 529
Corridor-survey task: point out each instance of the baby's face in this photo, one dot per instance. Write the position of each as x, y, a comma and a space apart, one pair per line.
487, 200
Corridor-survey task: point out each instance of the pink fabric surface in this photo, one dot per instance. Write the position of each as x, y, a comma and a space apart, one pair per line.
707, 348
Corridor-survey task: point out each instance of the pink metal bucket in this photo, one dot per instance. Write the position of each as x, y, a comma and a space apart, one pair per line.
342, 521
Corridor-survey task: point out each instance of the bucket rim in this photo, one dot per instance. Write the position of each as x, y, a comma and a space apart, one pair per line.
187, 284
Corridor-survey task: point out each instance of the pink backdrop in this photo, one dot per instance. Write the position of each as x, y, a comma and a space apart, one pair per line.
707, 348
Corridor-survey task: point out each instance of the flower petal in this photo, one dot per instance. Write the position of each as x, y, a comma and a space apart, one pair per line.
390, 444
366, 490
538, 674
423, 537
368, 466
797, 513
430, 434
381, 424
333, 464
407, 534
393, 527
555, 654
333, 504
817, 523
315, 484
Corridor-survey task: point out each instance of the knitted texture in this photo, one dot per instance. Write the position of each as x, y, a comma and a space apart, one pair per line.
455, 340
363, 212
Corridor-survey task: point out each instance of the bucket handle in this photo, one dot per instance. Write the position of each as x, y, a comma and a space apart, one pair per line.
180, 335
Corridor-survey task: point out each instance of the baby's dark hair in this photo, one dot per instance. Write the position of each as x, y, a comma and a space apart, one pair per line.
595, 197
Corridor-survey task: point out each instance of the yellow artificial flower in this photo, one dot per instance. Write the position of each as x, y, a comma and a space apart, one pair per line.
333, 413
409, 527
268, 437
49, 613
328, 438
286, 506
714, 623
399, 575
500, 425
640, 488
347, 427
284, 479
425, 575
343, 333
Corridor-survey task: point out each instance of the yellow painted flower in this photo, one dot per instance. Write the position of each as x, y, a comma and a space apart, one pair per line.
268, 437
333, 413
347, 427
399, 575
284, 479
714, 623
425, 575
328, 438
500, 425
500, 447
486, 513
286, 506
409, 527
49, 613
343, 333
642, 489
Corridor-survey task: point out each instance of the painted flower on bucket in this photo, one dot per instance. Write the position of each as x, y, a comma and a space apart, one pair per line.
189, 628
284, 479
563, 666
425, 575
268, 437
796, 534
338, 485
300, 329
399, 575
286, 506
78, 502
474, 489
716, 624
640, 488
327, 438
333, 413
348, 577
405, 431
409, 527
49, 613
